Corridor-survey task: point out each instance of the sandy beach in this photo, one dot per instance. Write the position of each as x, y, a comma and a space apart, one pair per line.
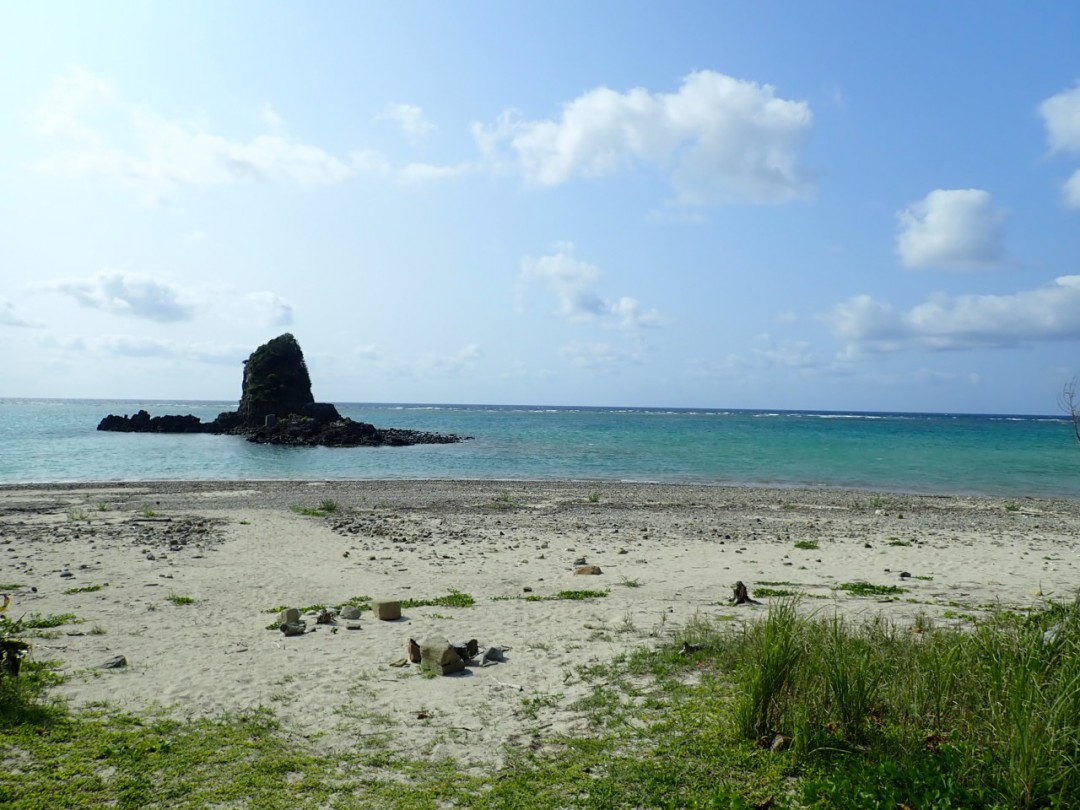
181, 579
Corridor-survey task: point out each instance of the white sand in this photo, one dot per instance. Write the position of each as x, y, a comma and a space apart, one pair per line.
668, 553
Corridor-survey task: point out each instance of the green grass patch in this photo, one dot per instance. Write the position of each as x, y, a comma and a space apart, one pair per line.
570, 596
774, 593
177, 599
896, 541
453, 599
37, 621
84, 589
868, 589
861, 714
806, 545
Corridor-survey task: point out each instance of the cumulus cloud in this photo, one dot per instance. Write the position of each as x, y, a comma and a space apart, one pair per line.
954, 229
1047, 313
86, 113
574, 281
410, 118
129, 294
1061, 115
717, 139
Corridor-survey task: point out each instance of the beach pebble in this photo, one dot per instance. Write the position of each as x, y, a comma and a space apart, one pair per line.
589, 569
350, 612
116, 662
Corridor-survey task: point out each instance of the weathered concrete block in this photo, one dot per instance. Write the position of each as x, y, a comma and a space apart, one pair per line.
386, 610
436, 655
289, 616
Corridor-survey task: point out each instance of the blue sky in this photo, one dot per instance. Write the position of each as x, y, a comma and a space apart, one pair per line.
830, 205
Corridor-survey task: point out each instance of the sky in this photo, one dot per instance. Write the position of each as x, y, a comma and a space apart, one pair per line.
828, 205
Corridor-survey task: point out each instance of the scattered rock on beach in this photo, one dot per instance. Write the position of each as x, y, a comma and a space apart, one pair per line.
439, 656
387, 611
589, 569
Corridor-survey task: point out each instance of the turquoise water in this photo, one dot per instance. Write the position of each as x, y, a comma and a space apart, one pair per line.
57, 441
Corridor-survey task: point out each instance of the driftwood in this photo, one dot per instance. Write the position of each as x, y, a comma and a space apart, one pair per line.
742, 596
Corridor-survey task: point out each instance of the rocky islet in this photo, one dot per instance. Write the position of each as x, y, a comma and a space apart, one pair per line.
277, 407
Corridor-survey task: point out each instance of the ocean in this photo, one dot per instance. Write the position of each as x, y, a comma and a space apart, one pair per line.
56, 441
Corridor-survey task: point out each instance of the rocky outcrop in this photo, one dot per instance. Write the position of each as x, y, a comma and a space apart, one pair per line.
143, 422
277, 407
276, 382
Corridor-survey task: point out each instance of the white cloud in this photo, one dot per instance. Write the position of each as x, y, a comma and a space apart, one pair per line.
574, 280
598, 356
71, 99
571, 279
134, 346
270, 117
1072, 190
410, 118
451, 364
1061, 114
631, 316
9, 317
369, 353
717, 138
792, 354
371, 161
1048, 313
129, 294
142, 346
269, 309
166, 153
955, 229
428, 172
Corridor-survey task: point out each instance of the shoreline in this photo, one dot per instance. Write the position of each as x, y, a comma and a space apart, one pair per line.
180, 485
178, 577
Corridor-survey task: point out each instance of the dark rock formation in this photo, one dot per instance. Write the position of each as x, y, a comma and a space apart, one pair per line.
142, 422
276, 382
277, 407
